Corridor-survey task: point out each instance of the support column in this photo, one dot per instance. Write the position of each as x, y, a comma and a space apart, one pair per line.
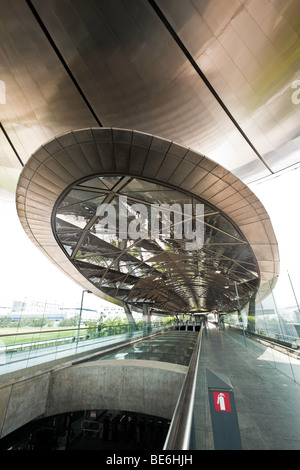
130, 319
251, 313
146, 317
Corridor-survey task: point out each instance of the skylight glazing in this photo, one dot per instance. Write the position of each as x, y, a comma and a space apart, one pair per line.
160, 270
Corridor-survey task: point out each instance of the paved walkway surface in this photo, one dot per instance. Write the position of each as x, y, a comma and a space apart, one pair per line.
267, 401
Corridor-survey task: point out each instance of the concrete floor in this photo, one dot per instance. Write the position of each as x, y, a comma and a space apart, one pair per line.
267, 401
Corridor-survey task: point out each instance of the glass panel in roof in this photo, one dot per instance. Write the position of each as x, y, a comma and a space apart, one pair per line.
222, 224
69, 240
63, 227
163, 271
73, 219
101, 182
103, 261
110, 181
139, 185
81, 213
154, 193
159, 197
94, 183
76, 196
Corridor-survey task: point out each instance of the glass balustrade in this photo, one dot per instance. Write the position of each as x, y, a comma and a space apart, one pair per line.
270, 328
20, 349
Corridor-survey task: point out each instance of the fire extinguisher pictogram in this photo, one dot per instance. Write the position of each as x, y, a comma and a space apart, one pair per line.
222, 401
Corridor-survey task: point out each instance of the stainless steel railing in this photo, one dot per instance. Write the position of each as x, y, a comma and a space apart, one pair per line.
179, 435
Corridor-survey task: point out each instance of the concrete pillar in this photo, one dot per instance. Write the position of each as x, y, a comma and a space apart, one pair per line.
147, 317
146, 313
251, 313
128, 314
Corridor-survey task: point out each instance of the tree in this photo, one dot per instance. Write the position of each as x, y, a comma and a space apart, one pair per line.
73, 321
116, 321
6, 322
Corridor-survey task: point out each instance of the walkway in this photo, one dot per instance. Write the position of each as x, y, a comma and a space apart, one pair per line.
267, 401
175, 347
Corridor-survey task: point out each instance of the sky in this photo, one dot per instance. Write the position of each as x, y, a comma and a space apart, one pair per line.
26, 273
280, 196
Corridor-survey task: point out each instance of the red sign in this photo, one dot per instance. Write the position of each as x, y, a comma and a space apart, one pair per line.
222, 401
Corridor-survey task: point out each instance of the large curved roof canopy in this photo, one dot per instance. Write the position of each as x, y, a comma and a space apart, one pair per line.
65, 182
215, 75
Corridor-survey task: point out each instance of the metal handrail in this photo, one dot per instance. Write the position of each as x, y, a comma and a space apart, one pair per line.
179, 434
73, 328
272, 340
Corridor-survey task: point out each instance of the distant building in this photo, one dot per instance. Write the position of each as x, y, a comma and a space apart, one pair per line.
34, 309
87, 313
51, 311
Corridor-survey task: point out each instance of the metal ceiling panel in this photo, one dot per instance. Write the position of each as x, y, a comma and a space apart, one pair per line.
70, 64
135, 75
246, 225
249, 51
41, 100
